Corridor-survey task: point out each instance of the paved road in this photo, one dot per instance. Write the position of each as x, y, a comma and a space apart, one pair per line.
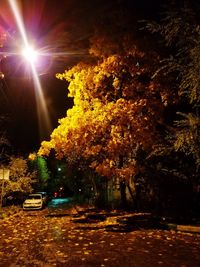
51, 237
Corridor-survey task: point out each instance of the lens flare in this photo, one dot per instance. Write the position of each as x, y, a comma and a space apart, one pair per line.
19, 21
30, 54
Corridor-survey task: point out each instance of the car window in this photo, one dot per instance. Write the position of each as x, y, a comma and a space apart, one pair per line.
34, 197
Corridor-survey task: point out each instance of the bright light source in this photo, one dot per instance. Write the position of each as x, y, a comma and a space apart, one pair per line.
30, 54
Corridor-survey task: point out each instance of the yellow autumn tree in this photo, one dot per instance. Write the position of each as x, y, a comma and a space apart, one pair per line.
116, 110
20, 178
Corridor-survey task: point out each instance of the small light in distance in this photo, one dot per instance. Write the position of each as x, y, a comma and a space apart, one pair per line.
1, 75
30, 54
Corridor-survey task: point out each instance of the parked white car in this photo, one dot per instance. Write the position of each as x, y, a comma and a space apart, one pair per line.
33, 202
44, 197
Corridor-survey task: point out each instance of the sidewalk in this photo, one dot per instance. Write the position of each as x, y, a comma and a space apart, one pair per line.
184, 228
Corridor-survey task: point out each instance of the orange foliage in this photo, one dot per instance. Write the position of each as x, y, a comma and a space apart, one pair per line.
116, 108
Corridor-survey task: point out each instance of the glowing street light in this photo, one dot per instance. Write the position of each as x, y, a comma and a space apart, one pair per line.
30, 54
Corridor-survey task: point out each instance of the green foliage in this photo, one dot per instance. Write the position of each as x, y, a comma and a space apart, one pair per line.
39, 165
43, 172
180, 29
188, 136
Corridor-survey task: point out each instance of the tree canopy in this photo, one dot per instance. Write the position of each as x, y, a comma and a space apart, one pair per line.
20, 178
135, 113
180, 30
117, 108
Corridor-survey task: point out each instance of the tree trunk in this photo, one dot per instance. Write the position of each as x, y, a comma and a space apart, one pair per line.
131, 192
122, 185
123, 195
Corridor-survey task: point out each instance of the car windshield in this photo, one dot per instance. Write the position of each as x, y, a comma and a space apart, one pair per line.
34, 197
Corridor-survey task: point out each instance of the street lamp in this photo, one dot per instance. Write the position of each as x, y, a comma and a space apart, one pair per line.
30, 54
17, 62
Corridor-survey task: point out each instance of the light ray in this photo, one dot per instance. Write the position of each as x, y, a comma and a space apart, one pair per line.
19, 21
43, 116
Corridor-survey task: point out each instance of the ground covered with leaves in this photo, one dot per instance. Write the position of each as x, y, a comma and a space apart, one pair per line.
67, 238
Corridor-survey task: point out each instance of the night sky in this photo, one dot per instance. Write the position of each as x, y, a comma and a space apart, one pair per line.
57, 26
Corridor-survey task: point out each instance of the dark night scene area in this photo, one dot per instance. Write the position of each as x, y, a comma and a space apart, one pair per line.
100, 133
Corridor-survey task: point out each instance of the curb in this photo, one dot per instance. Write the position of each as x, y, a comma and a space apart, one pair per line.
184, 228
